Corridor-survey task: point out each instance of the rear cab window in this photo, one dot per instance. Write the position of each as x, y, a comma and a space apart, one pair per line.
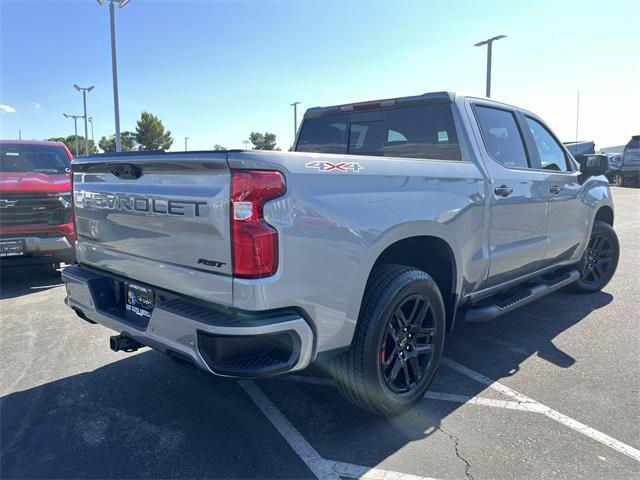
416, 131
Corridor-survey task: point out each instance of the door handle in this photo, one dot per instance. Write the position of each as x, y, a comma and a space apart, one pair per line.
503, 191
555, 189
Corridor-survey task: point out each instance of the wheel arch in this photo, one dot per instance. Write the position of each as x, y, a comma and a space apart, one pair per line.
441, 264
604, 214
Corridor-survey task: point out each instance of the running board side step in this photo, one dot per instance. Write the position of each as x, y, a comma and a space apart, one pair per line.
486, 313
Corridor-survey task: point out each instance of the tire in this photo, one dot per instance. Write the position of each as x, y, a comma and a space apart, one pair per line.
616, 179
599, 261
386, 337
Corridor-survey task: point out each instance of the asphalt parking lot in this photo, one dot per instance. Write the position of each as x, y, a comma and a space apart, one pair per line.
549, 391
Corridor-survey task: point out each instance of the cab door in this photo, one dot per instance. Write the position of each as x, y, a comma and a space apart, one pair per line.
518, 232
568, 220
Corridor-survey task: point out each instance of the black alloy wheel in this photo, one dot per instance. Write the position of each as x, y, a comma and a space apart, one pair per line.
406, 348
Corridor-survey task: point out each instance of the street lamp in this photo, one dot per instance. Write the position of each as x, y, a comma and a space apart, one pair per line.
84, 91
295, 119
489, 43
75, 127
186, 149
114, 68
91, 122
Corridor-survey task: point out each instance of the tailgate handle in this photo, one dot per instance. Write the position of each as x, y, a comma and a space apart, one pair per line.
126, 171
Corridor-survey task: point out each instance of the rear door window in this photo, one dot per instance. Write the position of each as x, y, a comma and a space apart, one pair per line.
426, 131
502, 137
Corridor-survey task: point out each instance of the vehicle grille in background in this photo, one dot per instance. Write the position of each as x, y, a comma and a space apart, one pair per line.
26, 209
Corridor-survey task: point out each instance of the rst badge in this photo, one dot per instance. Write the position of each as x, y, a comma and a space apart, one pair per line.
324, 166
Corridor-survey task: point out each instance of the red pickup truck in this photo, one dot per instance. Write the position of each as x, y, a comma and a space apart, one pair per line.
36, 225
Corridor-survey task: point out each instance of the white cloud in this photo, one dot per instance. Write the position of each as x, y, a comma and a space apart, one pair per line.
35, 105
4, 108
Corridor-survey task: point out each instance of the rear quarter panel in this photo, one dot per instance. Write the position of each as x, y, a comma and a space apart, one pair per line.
333, 226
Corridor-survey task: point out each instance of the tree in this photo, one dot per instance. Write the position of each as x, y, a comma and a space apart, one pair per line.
219, 148
127, 142
70, 142
263, 141
150, 133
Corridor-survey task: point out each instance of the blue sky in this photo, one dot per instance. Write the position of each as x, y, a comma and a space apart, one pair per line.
215, 71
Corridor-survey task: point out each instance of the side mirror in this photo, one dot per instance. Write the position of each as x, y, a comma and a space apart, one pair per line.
594, 165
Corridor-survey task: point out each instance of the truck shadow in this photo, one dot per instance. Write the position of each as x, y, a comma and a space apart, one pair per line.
147, 416
18, 281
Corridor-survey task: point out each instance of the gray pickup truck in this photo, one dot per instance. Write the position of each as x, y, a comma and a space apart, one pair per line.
390, 221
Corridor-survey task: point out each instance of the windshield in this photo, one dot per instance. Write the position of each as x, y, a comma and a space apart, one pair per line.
33, 158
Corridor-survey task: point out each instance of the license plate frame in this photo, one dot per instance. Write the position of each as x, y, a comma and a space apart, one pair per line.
12, 248
139, 300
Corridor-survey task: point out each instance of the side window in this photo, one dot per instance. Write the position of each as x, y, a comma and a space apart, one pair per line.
502, 137
552, 156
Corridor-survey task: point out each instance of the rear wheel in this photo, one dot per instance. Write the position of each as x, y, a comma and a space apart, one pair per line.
398, 342
599, 261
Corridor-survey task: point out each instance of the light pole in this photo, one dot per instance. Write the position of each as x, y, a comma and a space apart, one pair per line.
489, 43
186, 149
295, 119
75, 127
114, 67
91, 122
84, 91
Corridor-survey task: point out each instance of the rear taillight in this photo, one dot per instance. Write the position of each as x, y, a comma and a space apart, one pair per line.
254, 243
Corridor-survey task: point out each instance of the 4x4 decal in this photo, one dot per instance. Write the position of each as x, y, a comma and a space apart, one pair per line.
324, 166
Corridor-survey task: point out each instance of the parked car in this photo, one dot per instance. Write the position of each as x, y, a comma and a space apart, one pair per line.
613, 174
630, 162
390, 222
577, 149
36, 225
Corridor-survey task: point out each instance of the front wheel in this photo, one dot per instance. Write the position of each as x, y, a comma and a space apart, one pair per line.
599, 261
398, 342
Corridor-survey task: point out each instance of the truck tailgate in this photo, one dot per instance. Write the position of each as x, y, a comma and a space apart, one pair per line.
161, 219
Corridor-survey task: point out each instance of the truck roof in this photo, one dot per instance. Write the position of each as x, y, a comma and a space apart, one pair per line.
431, 97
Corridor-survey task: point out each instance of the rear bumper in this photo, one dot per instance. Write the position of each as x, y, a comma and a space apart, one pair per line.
223, 342
52, 248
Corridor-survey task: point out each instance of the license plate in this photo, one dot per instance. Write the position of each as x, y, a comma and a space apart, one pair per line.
140, 300
12, 248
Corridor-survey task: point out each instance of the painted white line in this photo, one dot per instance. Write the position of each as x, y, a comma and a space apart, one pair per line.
357, 471
298, 443
322, 468
522, 403
486, 402
548, 412
448, 397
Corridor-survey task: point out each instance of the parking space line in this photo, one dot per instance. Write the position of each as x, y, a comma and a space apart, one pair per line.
487, 402
364, 473
546, 411
298, 443
322, 468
